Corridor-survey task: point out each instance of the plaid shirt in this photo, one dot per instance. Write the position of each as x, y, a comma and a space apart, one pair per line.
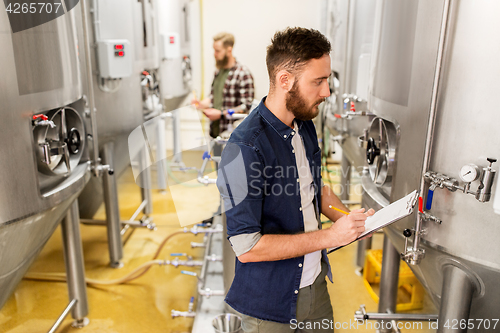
238, 92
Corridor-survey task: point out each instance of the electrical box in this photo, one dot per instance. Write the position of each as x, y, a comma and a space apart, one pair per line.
114, 58
170, 45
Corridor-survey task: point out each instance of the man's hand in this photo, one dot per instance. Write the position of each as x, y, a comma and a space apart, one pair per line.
212, 114
348, 228
196, 103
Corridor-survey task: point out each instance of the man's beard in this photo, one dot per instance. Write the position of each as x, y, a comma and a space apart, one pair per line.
220, 64
296, 104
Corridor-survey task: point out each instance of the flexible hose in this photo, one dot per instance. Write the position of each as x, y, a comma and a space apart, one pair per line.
135, 274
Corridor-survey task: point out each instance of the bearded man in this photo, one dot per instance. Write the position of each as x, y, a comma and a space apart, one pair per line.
273, 221
232, 87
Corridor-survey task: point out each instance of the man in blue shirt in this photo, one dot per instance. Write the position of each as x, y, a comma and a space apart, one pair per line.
270, 181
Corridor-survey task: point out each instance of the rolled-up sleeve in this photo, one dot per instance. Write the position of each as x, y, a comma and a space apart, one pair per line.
240, 182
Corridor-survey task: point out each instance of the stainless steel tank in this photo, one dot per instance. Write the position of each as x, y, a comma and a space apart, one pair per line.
118, 101
436, 65
44, 156
350, 29
175, 62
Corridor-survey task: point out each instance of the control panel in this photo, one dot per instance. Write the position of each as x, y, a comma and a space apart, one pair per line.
114, 58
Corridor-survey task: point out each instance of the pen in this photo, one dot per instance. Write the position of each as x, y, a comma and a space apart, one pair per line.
338, 210
194, 97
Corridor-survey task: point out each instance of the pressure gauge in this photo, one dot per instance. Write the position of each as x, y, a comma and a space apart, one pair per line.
469, 173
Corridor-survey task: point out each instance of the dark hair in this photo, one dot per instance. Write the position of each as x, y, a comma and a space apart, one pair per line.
291, 48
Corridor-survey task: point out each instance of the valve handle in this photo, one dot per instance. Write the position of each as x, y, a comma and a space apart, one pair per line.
188, 273
42, 116
372, 151
206, 155
230, 112
407, 233
430, 195
491, 160
337, 116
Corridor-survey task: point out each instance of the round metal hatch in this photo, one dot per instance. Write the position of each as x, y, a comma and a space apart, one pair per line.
381, 150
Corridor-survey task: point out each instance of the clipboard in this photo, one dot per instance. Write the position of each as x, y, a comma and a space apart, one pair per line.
394, 212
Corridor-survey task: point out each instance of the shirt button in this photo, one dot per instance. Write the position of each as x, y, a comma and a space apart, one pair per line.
298, 180
300, 265
296, 291
284, 136
293, 133
293, 151
300, 208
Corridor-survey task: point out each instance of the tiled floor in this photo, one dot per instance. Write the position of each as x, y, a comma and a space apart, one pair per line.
145, 304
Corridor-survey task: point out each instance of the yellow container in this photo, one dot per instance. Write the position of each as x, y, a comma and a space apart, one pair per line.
408, 282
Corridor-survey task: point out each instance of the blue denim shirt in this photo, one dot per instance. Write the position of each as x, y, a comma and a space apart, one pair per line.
261, 194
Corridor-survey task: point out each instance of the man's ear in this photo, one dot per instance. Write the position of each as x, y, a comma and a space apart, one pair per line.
229, 50
285, 80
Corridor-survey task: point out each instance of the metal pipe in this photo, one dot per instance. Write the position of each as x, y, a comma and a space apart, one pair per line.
112, 210
137, 211
396, 316
456, 298
90, 77
73, 259
432, 113
62, 316
345, 178
146, 194
389, 278
346, 55
135, 224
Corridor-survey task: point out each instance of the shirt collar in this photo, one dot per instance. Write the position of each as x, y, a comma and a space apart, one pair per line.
284, 131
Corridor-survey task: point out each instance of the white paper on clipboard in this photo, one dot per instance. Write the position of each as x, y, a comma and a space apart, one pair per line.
390, 214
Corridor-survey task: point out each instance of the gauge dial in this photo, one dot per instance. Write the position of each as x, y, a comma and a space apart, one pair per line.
469, 173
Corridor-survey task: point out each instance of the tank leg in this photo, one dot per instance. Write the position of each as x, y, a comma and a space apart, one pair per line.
363, 246
146, 192
389, 279
112, 210
161, 154
75, 270
456, 298
345, 178
176, 126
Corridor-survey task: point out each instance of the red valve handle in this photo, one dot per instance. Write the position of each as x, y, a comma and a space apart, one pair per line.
353, 107
145, 73
420, 204
44, 117
337, 116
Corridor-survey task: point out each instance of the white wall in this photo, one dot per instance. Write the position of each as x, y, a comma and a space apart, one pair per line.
253, 23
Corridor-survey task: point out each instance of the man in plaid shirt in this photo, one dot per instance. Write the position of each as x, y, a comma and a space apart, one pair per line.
232, 87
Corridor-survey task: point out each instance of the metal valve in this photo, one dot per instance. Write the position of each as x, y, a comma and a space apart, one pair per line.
407, 233
410, 255
468, 174
487, 177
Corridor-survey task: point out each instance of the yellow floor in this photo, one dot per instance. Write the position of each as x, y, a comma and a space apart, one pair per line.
144, 305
